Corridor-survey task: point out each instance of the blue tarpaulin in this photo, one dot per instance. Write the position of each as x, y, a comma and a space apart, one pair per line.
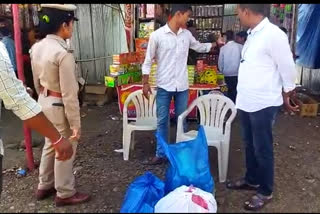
308, 36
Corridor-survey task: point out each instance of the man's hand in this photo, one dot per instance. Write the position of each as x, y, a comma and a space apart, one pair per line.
220, 41
289, 98
146, 90
76, 133
29, 90
64, 150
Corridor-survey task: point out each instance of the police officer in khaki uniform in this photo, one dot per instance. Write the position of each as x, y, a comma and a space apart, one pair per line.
55, 81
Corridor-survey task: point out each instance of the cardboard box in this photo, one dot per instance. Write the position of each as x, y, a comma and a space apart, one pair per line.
308, 106
110, 82
141, 44
123, 79
95, 89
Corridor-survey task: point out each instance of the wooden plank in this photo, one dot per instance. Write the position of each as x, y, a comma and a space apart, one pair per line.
306, 77
123, 37
108, 34
75, 44
98, 40
86, 43
315, 81
299, 74
116, 29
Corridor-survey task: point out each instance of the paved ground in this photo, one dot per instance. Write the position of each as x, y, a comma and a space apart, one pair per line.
103, 173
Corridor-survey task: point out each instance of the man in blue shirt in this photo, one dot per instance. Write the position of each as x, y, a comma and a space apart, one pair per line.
5, 35
229, 61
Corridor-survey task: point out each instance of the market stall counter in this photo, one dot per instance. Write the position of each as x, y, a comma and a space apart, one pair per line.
195, 90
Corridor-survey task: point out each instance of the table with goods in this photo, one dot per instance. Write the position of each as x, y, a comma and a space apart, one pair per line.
125, 75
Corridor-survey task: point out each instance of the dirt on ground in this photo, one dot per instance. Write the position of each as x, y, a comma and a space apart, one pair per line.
103, 173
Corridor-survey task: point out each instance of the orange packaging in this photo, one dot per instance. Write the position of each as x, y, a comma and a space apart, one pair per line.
141, 44
141, 56
123, 58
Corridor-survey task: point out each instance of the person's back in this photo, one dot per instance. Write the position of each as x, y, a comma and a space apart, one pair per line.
229, 62
46, 54
231, 58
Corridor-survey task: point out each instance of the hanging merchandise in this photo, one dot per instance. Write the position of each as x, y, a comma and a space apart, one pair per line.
27, 18
128, 23
308, 36
35, 17
21, 16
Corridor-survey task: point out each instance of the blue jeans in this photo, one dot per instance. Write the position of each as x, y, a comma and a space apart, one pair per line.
163, 100
257, 135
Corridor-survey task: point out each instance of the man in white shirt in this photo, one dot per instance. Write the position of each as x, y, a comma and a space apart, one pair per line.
169, 46
266, 80
229, 61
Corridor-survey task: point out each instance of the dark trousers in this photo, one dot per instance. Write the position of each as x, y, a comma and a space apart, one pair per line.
258, 139
232, 83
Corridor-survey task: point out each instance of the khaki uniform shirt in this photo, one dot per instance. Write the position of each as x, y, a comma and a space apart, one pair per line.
53, 67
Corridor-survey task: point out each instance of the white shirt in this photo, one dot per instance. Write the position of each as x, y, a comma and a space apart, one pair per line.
267, 67
229, 58
12, 91
170, 51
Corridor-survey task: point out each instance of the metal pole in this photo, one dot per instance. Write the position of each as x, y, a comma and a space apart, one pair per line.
18, 47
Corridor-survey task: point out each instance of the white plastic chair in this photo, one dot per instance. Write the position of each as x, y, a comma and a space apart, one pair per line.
213, 110
145, 120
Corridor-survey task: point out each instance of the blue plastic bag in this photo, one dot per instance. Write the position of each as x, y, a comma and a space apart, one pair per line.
189, 163
143, 194
308, 36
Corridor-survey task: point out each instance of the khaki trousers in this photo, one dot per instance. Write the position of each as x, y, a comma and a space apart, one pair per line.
52, 172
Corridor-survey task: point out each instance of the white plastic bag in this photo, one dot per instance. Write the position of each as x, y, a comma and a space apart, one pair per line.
187, 200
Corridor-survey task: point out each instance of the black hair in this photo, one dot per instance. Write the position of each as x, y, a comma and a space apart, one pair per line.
51, 19
5, 30
190, 23
242, 34
180, 7
230, 35
284, 29
255, 8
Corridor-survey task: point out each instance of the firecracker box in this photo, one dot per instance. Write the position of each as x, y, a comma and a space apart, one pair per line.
141, 44
122, 79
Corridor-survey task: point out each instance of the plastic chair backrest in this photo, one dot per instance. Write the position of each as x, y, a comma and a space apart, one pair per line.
144, 108
213, 109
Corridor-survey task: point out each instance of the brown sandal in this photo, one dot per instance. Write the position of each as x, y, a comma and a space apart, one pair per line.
241, 184
257, 202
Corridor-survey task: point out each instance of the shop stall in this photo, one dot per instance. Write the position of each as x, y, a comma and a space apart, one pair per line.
125, 72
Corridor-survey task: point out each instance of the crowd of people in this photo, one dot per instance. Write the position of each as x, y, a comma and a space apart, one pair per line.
259, 70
